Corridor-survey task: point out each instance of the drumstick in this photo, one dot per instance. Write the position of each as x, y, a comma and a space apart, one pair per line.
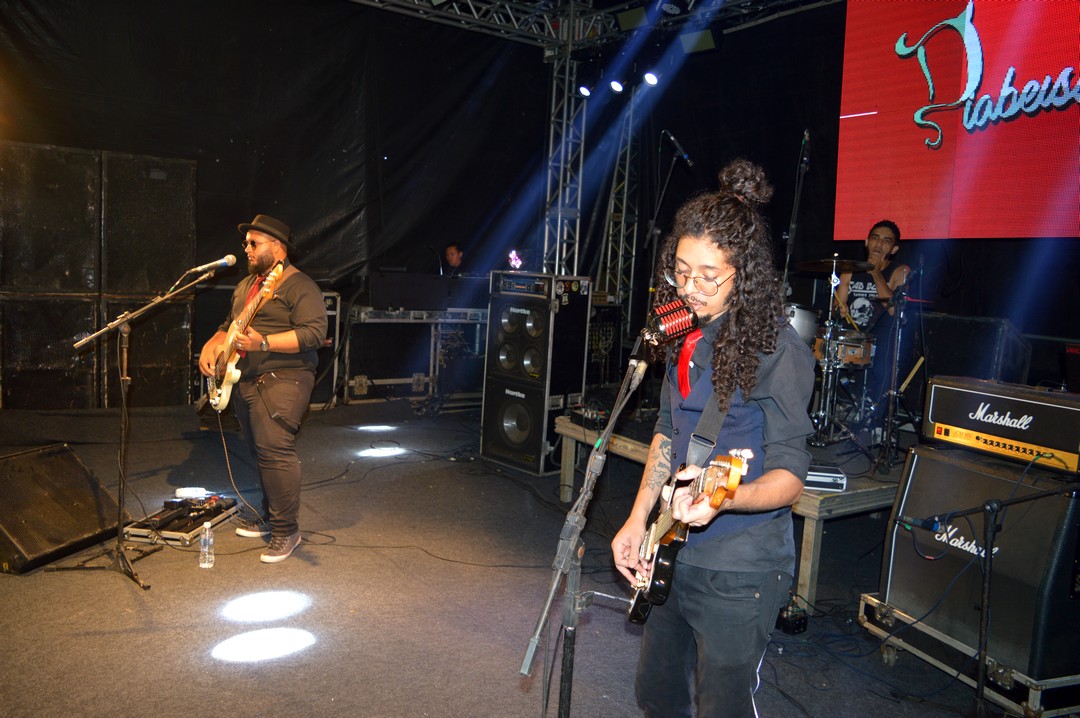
911, 375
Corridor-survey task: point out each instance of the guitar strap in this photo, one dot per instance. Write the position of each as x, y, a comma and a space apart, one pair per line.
706, 432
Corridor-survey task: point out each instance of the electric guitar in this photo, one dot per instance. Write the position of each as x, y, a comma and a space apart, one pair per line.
219, 386
716, 482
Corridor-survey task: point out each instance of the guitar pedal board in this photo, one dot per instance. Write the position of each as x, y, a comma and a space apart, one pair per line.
180, 520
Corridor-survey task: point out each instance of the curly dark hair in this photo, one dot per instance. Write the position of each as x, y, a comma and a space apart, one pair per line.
731, 220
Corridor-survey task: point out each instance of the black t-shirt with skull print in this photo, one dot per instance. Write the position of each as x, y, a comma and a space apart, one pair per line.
863, 304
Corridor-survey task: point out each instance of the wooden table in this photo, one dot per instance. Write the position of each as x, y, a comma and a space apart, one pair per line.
861, 496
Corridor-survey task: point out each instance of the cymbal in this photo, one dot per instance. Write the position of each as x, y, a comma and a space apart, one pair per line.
843, 266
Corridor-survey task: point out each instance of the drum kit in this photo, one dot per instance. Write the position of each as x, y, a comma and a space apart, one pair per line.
836, 347
841, 348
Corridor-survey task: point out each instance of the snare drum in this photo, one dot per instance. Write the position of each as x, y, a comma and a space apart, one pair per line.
848, 347
804, 320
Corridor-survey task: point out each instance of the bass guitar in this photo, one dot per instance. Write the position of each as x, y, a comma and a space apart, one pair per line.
219, 386
716, 482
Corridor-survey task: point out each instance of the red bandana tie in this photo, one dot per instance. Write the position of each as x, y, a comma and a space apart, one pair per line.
684, 361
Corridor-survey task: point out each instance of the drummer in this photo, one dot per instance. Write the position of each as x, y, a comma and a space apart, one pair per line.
865, 303
864, 297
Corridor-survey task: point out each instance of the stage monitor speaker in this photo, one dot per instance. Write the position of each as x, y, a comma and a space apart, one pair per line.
1035, 588
538, 326
50, 506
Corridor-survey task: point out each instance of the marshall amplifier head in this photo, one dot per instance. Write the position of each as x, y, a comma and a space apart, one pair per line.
1009, 420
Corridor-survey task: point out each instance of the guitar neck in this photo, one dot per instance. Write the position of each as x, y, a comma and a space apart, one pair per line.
663, 524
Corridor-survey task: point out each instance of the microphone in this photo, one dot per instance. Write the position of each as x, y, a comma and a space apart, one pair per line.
669, 321
930, 524
227, 261
804, 155
678, 148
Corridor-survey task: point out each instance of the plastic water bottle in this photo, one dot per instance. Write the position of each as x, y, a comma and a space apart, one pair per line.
206, 546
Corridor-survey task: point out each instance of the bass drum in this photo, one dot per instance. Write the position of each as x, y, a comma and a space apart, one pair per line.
805, 321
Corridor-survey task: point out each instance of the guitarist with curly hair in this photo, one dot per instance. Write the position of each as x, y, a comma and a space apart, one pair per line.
705, 639
265, 353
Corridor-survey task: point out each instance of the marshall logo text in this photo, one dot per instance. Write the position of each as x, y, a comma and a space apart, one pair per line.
981, 414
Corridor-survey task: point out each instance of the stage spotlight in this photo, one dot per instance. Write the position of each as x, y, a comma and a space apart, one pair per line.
379, 452
616, 86
263, 645
584, 91
515, 259
265, 606
675, 8
651, 79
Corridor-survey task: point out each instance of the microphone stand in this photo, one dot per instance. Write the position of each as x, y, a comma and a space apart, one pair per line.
571, 548
652, 240
793, 226
120, 561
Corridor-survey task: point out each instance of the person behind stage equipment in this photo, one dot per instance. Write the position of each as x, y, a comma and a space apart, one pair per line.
453, 255
865, 303
277, 373
706, 642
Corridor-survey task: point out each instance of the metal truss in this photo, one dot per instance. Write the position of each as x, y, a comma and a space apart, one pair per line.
566, 144
616, 276
540, 23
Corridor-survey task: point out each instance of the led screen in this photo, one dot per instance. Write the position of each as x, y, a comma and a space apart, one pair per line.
960, 119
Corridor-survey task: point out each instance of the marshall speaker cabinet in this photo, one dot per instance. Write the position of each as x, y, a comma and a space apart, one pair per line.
930, 600
538, 326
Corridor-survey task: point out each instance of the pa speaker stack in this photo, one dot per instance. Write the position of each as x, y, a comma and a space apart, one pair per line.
538, 327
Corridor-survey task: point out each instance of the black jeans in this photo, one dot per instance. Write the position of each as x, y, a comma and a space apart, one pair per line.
269, 411
707, 642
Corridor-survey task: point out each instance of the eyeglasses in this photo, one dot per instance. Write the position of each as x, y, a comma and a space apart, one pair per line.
708, 286
253, 244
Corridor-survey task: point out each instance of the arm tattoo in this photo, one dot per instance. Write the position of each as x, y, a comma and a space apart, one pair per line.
660, 470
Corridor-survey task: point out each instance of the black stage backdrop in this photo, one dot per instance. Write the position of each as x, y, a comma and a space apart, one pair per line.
373, 135
380, 138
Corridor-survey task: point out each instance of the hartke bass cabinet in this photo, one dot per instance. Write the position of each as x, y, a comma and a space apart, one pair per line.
538, 329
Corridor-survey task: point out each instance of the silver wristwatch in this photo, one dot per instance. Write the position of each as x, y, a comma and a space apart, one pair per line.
265, 346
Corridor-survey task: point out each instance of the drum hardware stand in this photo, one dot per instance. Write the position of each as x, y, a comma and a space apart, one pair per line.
120, 561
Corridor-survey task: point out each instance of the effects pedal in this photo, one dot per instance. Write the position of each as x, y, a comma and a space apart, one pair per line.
792, 619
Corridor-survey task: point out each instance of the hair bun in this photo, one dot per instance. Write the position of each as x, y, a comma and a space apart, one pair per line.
747, 181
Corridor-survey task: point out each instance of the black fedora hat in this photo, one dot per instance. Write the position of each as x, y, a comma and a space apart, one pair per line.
268, 225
